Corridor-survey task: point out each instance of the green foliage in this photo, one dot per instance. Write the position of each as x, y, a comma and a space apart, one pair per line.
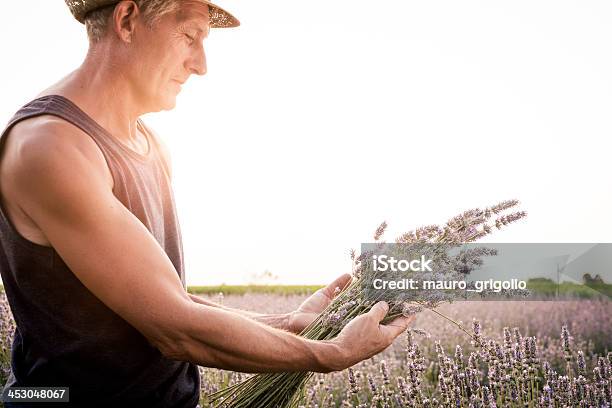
548, 288
243, 289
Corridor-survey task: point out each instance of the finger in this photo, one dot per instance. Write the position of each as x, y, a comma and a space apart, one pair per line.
397, 326
341, 282
379, 311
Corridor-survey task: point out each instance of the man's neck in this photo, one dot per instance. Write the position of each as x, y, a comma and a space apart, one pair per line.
102, 92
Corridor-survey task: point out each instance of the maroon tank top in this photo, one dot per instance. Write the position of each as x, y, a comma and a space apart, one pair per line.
66, 336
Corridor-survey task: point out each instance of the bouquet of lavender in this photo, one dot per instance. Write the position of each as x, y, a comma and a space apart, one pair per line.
286, 389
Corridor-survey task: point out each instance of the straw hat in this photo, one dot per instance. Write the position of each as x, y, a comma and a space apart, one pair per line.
219, 18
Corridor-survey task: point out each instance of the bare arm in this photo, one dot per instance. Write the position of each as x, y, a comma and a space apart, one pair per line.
279, 320
59, 180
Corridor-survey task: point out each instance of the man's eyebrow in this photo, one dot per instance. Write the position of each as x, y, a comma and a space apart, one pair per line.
205, 32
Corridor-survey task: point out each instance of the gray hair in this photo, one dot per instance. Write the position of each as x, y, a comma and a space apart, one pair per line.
97, 21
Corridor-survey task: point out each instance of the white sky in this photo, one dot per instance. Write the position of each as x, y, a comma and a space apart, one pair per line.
317, 120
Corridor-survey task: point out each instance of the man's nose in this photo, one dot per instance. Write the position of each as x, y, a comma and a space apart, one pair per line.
197, 62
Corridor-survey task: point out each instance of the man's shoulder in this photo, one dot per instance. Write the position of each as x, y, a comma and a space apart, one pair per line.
51, 141
48, 132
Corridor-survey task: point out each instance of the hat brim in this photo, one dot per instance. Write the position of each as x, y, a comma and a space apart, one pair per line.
219, 18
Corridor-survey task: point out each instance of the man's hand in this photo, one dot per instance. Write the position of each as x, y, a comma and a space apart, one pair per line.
315, 304
364, 336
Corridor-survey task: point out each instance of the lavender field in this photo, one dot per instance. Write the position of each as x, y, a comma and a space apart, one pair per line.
519, 357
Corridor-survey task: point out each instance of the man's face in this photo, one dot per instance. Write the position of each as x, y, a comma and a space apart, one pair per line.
166, 55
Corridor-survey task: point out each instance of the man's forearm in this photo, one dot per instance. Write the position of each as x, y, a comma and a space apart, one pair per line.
279, 321
215, 337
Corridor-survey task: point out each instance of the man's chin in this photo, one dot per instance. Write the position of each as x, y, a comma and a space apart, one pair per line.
170, 105
167, 103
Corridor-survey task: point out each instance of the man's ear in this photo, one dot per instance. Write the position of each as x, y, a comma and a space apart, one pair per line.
124, 19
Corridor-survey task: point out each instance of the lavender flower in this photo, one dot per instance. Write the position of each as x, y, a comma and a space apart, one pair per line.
507, 338
352, 382
380, 231
565, 342
581, 364
384, 372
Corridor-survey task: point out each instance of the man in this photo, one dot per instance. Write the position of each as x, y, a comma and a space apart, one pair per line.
90, 248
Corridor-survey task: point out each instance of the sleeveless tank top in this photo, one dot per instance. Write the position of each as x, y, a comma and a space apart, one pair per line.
65, 336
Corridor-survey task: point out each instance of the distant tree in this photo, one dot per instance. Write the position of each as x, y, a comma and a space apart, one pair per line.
264, 278
589, 280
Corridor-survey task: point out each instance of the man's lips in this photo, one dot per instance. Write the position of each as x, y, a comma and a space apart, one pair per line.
179, 84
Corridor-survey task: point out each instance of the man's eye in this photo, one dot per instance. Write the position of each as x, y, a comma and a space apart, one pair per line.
190, 38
